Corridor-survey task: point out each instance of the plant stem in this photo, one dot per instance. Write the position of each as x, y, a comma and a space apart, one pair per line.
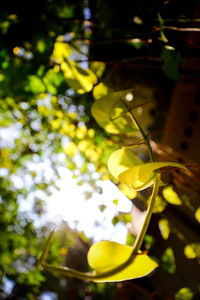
145, 137
140, 237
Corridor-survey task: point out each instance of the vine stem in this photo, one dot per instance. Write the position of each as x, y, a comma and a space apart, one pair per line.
140, 237
145, 137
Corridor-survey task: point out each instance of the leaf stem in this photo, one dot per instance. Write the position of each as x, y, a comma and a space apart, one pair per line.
140, 237
145, 137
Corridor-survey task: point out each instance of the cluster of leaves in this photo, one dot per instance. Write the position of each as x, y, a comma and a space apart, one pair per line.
38, 121
45, 101
112, 261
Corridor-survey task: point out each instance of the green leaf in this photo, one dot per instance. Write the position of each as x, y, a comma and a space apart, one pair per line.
105, 256
115, 220
116, 201
52, 80
127, 218
122, 160
109, 112
149, 241
41, 46
142, 176
137, 43
130, 239
171, 196
35, 85
46, 248
168, 261
162, 35
184, 294
171, 63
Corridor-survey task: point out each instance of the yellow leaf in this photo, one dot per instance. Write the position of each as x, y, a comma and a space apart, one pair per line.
81, 132
122, 160
98, 68
160, 205
91, 133
80, 79
45, 111
70, 149
192, 250
100, 90
142, 176
197, 214
110, 113
61, 51
55, 124
171, 196
127, 191
92, 155
106, 255
164, 227
83, 145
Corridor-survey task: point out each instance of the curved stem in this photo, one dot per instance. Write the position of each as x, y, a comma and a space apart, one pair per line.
145, 137
140, 237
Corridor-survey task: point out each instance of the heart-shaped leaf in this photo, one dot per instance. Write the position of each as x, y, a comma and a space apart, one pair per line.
142, 176
109, 110
122, 160
106, 255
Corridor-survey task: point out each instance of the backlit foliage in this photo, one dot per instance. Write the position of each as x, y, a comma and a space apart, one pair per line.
112, 261
60, 105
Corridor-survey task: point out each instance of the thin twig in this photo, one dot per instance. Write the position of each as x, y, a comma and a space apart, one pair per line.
183, 29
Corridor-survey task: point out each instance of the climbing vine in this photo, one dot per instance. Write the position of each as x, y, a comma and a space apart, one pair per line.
109, 260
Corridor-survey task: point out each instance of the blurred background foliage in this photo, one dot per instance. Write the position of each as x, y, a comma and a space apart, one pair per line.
56, 59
